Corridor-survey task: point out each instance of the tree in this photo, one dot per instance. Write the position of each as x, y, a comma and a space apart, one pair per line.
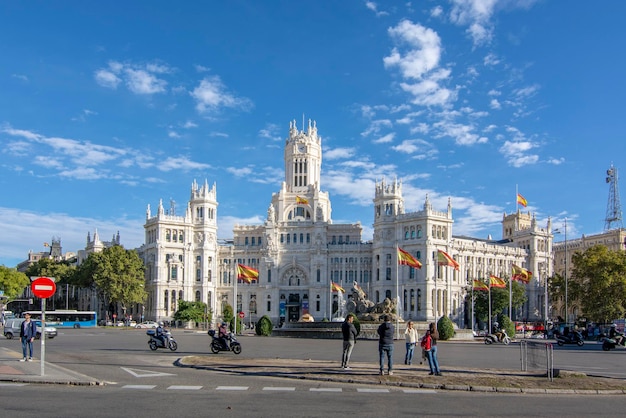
445, 327
12, 282
61, 271
192, 311
598, 283
499, 300
117, 273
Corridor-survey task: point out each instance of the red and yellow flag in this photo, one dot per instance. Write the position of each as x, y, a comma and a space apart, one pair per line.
444, 259
336, 288
495, 281
480, 285
247, 274
521, 200
407, 259
301, 201
521, 274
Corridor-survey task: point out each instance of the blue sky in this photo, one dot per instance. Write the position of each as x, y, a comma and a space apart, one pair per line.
108, 107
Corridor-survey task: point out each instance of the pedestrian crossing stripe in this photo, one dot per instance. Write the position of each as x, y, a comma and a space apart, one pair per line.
325, 389
182, 387
231, 388
368, 390
278, 388
138, 386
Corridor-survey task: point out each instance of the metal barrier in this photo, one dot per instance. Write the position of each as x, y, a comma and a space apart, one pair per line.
537, 355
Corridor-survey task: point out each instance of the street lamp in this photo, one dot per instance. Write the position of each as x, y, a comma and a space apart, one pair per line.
557, 231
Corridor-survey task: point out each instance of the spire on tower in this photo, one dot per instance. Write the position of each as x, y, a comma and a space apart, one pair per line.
613, 218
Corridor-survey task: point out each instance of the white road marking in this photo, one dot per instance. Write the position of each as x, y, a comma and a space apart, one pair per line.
231, 388
419, 391
325, 389
368, 390
182, 387
12, 384
145, 373
278, 388
138, 386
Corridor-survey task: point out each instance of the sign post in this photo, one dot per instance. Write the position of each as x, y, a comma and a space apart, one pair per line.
43, 287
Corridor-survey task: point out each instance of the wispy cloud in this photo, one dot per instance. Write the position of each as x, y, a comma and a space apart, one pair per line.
211, 94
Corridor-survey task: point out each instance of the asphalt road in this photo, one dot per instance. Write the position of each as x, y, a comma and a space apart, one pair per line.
146, 383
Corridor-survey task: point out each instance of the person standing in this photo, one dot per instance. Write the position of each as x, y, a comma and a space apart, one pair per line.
349, 340
28, 330
385, 345
410, 334
432, 357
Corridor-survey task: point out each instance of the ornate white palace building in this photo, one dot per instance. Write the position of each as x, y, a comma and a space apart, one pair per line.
298, 251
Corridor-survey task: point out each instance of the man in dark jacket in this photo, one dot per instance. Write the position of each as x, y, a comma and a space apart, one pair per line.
385, 345
349, 339
28, 331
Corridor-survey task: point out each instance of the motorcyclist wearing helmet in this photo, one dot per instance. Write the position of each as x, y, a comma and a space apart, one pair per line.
161, 333
223, 334
616, 335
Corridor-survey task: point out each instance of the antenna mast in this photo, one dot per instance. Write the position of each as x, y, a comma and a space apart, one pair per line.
613, 208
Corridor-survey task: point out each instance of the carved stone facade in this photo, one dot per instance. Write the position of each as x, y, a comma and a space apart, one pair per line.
299, 251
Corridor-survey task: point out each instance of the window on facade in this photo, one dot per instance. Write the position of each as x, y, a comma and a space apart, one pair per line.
197, 296
288, 238
406, 233
269, 304
388, 274
419, 300
174, 272
259, 241
210, 275
318, 275
308, 238
377, 296
198, 275
174, 236
412, 233
418, 255
301, 238
168, 235
246, 241
412, 305
419, 231
388, 259
180, 236
252, 304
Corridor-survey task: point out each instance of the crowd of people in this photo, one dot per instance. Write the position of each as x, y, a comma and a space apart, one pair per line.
386, 332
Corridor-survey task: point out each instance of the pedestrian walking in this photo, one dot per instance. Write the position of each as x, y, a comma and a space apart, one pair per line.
349, 340
410, 334
28, 330
385, 345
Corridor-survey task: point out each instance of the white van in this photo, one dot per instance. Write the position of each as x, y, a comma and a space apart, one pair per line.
12, 329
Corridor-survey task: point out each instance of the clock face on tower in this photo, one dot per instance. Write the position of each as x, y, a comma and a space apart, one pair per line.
301, 148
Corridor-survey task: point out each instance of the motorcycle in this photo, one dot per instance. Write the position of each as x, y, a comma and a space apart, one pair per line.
217, 344
155, 342
574, 337
609, 344
493, 338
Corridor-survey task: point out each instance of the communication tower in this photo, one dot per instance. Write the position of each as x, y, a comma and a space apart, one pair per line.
613, 218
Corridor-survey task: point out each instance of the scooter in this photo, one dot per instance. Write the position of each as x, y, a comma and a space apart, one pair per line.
493, 338
609, 344
574, 337
217, 345
155, 342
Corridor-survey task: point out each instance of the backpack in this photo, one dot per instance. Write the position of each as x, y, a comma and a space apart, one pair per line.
426, 342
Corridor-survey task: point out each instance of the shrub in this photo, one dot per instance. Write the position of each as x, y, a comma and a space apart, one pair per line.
264, 326
445, 328
506, 323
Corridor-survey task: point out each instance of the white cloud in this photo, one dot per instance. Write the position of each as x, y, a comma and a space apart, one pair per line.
180, 163
143, 82
338, 153
495, 104
108, 79
211, 94
408, 146
476, 14
423, 55
385, 138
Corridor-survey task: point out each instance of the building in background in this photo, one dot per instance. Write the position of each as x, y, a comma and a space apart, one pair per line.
299, 252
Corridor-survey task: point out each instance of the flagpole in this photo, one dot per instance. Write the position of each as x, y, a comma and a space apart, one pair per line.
510, 298
397, 295
436, 293
235, 299
489, 330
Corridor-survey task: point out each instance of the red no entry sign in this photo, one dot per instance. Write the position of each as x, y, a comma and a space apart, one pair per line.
241, 314
43, 287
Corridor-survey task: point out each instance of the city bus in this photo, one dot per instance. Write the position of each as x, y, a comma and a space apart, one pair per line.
67, 318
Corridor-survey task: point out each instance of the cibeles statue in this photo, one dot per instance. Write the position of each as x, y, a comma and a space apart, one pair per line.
366, 310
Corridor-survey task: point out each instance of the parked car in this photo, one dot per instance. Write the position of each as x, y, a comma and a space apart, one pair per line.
12, 329
147, 324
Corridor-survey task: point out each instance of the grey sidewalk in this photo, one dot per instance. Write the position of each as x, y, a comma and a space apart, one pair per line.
13, 370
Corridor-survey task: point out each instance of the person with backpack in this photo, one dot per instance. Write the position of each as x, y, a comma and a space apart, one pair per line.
385, 345
28, 331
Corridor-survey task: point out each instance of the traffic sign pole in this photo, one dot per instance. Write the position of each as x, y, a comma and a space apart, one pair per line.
43, 287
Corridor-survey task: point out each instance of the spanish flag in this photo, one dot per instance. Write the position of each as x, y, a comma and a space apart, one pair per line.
407, 259
521, 274
444, 259
495, 281
336, 288
247, 274
521, 200
301, 201
480, 285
